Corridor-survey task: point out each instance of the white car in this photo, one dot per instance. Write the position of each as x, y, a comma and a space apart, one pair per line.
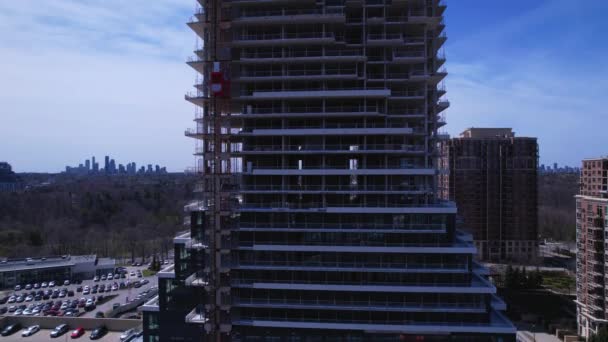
27, 312
35, 311
44, 285
96, 278
86, 291
12, 299
132, 274
52, 284
18, 312
110, 276
66, 283
64, 306
17, 287
29, 298
103, 277
29, 331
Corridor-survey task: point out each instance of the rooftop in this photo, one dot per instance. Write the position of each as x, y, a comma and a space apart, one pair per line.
46, 262
485, 133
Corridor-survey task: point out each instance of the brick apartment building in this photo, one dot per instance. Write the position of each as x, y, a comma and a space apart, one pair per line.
493, 180
591, 211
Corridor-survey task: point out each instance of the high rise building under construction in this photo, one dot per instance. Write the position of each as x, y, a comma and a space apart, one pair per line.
318, 217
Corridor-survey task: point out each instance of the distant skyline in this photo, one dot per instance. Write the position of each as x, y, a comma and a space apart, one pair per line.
98, 78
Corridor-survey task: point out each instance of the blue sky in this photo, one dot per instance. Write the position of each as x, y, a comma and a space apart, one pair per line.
84, 77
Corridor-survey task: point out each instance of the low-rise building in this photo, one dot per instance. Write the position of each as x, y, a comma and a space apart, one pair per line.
36, 270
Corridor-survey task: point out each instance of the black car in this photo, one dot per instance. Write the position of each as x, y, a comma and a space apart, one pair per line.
99, 333
4, 300
79, 289
3, 310
10, 329
60, 330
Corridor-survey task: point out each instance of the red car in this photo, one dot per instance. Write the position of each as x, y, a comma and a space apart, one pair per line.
77, 333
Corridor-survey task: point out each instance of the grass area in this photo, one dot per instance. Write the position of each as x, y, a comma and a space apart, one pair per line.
559, 281
148, 273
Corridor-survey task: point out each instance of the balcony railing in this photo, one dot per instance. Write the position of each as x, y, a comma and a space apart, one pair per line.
380, 188
300, 72
246, 13
286, 35
343, 226
361, 265
364, 304
334, 147
338, 204
300, 53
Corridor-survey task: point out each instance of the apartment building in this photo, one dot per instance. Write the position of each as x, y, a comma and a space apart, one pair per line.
493, 180
591, 236
318, 217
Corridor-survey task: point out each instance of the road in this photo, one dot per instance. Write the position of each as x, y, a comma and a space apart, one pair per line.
122, 295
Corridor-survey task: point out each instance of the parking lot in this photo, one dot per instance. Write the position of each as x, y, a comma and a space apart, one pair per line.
44, 336
122, 295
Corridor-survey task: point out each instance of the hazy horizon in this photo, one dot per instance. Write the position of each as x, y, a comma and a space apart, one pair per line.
109, 78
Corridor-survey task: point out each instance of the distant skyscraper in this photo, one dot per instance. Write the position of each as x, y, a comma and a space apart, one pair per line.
87, 165
149, 168
112, 166
106, 165
555, 166
493, 179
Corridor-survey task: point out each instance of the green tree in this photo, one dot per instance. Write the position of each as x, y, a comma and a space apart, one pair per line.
601, 336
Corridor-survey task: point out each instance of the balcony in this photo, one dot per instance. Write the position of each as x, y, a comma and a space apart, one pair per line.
284, 16
197, 316
407, 95
333, 149
286, 38
303, 54
384, 39
267, 93
392, 169
271, 188
298, 74
498, 324
305, 226
386, 306
407, 57
199, 98
197, 280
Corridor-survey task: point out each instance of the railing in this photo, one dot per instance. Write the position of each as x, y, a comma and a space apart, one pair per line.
289, 12
332, 125
356, 243
480, 305
318, 205
407, 93
315, 109
408, 54
341, 167
362, 265
336, 147
250, 91
287, 35
300, 72
273, 187
345, 226
308, 52
364, 282
379, 320
384, 36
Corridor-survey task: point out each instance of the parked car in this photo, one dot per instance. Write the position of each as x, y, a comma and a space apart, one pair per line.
127, 335
66, 282
99, 332
52, 283
3, 310
31, 330
77, 333
17, 287
28, 286
96, 278
36, 285
59, 330
10, 329
44, 285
